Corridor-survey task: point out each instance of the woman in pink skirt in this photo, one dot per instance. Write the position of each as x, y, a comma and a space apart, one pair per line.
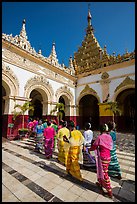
102, 146
49, 134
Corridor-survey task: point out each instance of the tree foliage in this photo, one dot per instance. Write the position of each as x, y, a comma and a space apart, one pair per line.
113, 106
23, 108
59, 108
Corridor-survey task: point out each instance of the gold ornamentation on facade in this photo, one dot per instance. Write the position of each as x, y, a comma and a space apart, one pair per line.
127, 81
105, 75
90, 56
88, 89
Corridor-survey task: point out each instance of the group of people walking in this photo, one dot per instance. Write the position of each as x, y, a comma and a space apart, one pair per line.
44, 134
74, 148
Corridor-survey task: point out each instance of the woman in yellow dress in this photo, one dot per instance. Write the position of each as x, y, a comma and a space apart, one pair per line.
76, 141
63, 147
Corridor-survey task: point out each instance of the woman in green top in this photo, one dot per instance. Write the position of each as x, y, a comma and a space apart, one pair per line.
114, 167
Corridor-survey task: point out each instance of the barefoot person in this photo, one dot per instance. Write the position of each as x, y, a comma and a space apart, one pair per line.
63, 147
88, 159
102, 146
49, 134
114, 167
76, 140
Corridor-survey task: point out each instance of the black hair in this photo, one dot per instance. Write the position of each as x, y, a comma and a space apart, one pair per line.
48, 123
111, 125
71, 124
64, 123
88, 126
103, 128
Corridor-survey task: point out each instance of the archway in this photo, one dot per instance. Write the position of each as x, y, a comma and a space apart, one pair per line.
36, 97
5, 93
62, 100
126, 101
3, 101
89, 111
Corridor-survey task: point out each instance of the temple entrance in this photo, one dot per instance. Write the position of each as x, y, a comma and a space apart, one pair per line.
61, 100
5, 93
126, 101
89, 111
3, 101
36, 102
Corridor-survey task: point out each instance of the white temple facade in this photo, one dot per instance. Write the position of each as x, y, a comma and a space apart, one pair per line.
92, 80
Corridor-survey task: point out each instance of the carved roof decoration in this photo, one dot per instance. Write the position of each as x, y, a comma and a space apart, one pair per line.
91, 56
22, 42
7, 71
11, 79
53, 56
88, 89
127, 81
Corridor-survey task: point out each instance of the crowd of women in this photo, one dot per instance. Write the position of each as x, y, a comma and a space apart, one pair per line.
75, 148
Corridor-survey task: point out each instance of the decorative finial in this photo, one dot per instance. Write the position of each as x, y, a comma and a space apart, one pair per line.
24, 21
89, 6
89, 15
23, 30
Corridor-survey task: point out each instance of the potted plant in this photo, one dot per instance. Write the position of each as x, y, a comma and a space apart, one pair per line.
22, 131
23, 108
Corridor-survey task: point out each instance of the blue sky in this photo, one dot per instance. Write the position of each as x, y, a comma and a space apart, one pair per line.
65, 24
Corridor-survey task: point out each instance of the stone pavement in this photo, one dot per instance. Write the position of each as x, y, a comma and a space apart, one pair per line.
28, 176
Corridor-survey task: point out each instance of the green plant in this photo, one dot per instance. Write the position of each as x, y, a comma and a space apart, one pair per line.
23, 108
59, 108
113, 106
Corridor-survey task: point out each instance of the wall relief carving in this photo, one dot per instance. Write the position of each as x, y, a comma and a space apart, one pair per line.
127, 81
10, 78
105, 75
38, 81
64, 90
88, 89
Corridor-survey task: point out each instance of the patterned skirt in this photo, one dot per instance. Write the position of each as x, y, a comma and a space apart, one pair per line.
49, 145
63, 149
102, 165
39, 141
88, 159
114, 168
73, 166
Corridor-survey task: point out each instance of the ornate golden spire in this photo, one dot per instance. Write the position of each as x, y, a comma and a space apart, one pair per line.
89, 28
89, 16
91, 56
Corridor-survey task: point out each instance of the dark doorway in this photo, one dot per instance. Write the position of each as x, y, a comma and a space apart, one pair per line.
126, 100
61, 100
89, 111
3, 101
36, 102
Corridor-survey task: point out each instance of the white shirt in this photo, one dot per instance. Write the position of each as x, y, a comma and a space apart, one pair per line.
88, 135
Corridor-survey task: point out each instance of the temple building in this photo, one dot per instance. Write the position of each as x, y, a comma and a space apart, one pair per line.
87, 87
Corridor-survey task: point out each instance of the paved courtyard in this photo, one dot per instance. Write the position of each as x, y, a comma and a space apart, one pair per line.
28, 177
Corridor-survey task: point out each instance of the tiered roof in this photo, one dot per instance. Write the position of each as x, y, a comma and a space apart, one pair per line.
91, 56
